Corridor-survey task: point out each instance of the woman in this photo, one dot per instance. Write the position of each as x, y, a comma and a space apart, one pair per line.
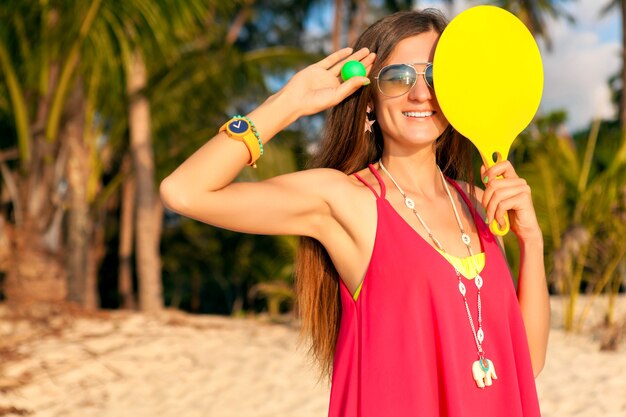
402, 288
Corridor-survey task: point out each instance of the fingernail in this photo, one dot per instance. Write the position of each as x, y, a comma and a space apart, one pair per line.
487, 220
486, 179
368, 82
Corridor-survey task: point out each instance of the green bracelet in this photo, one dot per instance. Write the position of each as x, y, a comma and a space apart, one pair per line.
253, 127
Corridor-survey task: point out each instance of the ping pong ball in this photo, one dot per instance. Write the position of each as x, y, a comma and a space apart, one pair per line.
352, 69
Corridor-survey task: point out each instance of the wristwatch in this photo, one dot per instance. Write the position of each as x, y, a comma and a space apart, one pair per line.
239, 128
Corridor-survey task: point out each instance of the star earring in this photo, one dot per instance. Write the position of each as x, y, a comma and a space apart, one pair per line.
369, 122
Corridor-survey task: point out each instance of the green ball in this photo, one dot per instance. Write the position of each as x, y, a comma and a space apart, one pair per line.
352, 69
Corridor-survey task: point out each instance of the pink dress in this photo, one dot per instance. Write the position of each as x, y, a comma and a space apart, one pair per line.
405, 347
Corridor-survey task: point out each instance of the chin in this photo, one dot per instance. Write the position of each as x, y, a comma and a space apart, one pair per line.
424, 137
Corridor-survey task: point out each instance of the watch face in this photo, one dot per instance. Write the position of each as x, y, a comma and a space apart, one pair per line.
238, 126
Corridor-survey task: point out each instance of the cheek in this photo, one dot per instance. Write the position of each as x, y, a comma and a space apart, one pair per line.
383, 110
382, 120
441, 119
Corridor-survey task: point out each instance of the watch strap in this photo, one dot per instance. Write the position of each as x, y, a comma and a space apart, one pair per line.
249, 137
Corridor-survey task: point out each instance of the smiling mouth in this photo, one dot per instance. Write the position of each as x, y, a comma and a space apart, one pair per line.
418, 113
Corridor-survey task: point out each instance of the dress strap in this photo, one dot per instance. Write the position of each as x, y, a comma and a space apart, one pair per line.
383, 189
380, 182
480, 223
366, 183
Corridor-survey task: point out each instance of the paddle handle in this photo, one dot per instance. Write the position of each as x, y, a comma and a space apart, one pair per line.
495, 227
496, 156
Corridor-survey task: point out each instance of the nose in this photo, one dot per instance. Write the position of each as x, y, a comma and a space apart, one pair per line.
420, 91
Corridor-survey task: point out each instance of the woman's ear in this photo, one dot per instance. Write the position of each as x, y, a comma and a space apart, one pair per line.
370, 118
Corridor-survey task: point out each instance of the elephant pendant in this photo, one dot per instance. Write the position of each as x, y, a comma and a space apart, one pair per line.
483, 371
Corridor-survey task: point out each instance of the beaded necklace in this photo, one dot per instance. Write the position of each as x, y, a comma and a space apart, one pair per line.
482, 369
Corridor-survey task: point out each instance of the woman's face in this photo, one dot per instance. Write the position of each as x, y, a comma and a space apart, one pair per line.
414, 118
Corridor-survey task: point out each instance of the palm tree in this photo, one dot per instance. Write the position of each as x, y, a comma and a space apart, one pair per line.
39, 68
69, 77
149, 38
204, 268
578, 184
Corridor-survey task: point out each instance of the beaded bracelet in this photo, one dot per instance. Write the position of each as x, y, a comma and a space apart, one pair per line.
256, 133
243, 129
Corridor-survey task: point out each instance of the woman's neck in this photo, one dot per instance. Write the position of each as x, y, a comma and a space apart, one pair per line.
417, 173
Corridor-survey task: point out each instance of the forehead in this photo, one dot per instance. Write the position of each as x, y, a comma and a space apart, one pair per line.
418, 48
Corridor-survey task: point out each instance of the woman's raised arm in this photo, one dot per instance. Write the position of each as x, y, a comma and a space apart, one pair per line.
202, 188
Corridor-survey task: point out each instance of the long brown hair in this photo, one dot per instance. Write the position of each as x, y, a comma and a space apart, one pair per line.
345, 147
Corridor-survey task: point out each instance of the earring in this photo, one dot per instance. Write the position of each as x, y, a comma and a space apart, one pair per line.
369, 122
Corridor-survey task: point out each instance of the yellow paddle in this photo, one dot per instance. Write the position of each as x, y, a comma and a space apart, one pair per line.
488, 79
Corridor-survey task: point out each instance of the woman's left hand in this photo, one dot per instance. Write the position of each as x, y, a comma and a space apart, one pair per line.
509, 193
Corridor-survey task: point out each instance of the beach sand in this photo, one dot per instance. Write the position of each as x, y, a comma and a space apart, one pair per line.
123, 364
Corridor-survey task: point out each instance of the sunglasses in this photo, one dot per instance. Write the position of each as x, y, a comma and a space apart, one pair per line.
397, 79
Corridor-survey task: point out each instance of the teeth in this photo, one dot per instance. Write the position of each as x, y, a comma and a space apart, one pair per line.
418, 113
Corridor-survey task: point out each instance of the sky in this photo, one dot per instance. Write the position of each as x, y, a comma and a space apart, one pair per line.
584, 56
576, 72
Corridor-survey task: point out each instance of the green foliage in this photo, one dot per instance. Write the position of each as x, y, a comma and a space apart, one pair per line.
203, 68
206, 269
578, 183
197, 79
226, 265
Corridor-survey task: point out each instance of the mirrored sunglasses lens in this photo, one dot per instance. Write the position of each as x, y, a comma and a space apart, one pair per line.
396, 80
428, 76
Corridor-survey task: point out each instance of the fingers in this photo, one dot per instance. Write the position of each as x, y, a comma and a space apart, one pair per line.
503, 195
368, 61
350, 86
357, 56
504, 190
335, 61
332, 59
504, 168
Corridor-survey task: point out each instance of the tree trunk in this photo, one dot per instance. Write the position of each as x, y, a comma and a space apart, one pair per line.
79, 219
357, 21
622, 104
96, 251
147, 236
338, 25
35, 271
5, 249
127, 210
35, 275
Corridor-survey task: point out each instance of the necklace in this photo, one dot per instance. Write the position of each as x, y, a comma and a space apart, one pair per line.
482, 369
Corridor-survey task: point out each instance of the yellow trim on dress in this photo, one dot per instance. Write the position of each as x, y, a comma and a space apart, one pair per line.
466, 266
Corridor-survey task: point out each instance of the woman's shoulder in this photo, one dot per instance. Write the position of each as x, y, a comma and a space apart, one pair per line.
333, 177
324, 177
331, 182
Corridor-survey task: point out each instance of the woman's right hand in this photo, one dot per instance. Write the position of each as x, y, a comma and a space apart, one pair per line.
319, 86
